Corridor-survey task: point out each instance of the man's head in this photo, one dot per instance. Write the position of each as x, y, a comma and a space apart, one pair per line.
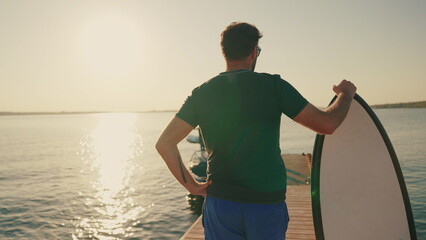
239, 40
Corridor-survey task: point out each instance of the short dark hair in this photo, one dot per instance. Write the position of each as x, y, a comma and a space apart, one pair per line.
238, 40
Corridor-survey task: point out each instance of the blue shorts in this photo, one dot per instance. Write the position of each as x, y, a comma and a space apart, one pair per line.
226, 220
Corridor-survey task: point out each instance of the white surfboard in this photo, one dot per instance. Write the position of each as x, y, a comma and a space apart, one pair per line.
358, 190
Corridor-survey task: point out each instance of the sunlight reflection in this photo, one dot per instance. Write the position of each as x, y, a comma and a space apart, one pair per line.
110, 150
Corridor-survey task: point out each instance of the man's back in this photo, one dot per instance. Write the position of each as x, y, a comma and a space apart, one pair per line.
239, 114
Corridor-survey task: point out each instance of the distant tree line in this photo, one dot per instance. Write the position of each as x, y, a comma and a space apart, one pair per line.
421, 104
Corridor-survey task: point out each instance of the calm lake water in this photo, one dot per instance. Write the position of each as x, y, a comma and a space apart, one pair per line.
98, 176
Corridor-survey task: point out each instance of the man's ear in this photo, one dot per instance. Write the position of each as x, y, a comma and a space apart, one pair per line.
253, 54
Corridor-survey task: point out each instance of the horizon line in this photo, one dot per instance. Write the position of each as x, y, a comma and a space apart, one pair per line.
9, 113
6, 113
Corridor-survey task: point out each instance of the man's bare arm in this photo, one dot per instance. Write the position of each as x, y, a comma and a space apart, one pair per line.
327, 121
167, 148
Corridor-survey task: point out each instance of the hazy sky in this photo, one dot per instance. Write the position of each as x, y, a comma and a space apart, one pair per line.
148, 55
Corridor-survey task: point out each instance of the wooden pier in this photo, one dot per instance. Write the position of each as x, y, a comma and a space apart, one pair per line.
298, 202
299, 205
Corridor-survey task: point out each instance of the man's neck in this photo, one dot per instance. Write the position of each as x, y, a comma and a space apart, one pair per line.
238, 65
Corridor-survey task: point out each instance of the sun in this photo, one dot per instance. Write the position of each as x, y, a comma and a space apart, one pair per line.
111, 45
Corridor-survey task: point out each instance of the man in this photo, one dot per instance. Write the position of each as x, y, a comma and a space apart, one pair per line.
239, 114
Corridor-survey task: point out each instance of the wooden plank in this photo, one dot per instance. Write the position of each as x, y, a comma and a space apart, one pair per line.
301, 225
298, 168
195, 232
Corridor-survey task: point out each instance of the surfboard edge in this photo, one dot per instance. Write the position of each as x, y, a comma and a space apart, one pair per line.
316, 169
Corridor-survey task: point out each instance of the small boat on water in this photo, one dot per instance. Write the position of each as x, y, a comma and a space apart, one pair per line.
198, 167
198, 161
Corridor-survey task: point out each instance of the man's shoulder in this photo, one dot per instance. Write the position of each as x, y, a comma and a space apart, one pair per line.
212, 82
221, 79
271, 76
203, 86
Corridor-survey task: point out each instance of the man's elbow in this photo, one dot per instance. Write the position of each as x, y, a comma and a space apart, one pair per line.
164, 145
330, 128
159, 146
325, 127
328, 131
325, 131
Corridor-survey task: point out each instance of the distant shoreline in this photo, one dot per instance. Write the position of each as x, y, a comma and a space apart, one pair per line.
65, 113
420, 104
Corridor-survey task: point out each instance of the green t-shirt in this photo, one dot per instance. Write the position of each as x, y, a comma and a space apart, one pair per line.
239, 114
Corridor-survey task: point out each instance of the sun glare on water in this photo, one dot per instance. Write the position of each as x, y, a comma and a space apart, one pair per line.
109, 152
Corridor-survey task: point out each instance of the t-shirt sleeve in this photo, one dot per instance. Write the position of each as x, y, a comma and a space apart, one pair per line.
290, 100
188, 112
